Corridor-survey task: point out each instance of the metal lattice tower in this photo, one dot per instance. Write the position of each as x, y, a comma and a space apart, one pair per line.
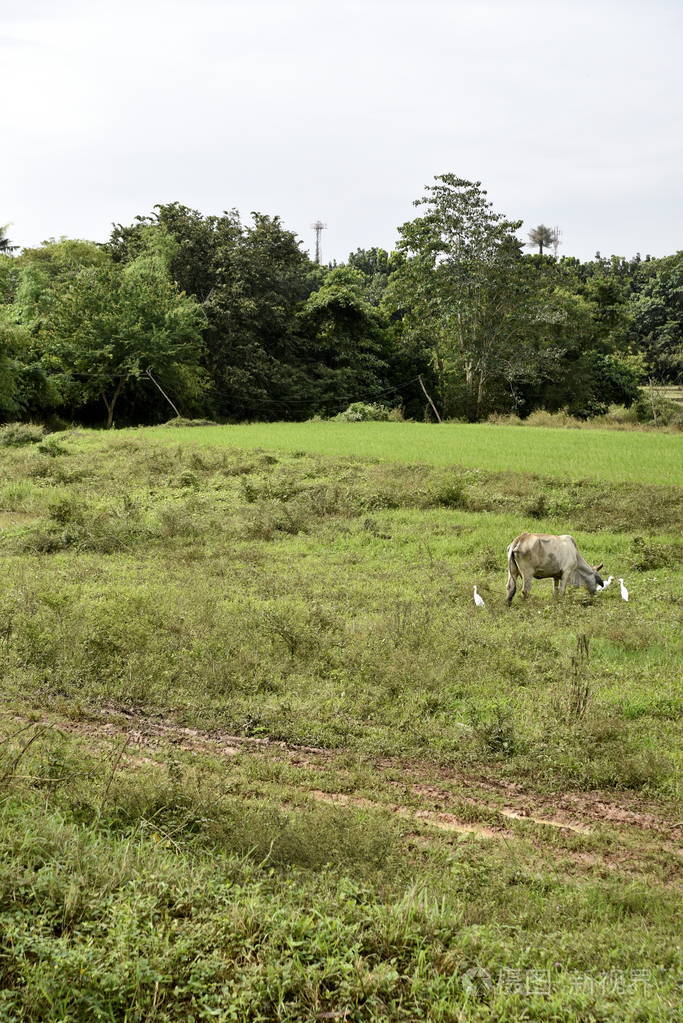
557, 236
318, 227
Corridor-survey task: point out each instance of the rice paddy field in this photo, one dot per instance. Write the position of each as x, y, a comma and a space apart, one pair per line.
263, 759
609, 455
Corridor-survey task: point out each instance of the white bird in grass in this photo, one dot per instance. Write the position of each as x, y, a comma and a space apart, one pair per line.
478, 600
605, 584
624, 591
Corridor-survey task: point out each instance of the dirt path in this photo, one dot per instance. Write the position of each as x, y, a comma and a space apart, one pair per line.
427, 794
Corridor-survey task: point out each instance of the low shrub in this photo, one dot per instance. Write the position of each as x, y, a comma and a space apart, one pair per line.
181, 421
647, 554
323, 501
188, 480
16, 435
264, 519
655, 409
364, 412
67, 508
619, 416
448, 493
51, 446
666, 415
20, 495
562, 419
538, 508
502, 419
496, 735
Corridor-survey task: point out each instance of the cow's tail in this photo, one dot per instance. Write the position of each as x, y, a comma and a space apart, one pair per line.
512, 560
512, 563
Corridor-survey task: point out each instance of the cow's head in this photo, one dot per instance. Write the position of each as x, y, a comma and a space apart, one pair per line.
597, 578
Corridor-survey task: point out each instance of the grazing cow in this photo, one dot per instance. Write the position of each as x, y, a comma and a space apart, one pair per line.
543, 556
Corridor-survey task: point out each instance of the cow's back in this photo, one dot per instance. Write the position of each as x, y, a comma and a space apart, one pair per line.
544, 554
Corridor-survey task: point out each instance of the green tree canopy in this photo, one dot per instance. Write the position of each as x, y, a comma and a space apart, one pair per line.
349, 351
465, 285
377, 266
108, 324
657, 320
252, 281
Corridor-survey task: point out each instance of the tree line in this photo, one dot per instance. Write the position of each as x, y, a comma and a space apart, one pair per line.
235, 322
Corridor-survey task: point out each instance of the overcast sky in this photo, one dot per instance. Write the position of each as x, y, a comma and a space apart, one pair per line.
568, 112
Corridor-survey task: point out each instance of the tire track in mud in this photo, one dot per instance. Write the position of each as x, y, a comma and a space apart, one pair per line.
504, 804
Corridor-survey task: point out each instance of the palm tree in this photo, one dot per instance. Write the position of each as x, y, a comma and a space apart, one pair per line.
5, 242
541, 236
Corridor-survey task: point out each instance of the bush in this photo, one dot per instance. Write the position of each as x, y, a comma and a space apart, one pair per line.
51, 446
652, 407
363, 412
448, 493
538, 508
541, 417
618, 415
647, 554
504, 419
16, 435
495, 735
181, 421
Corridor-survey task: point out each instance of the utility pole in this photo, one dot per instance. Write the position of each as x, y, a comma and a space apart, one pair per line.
438, 417
157, 384
318, 227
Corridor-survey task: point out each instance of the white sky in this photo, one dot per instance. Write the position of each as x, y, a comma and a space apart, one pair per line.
568, 112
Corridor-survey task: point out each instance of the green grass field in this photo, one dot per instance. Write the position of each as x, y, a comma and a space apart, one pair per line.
263, 759
607, 455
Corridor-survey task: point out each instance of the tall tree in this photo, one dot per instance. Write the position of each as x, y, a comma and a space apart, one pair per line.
377, 266
256, 351
43, 270
252, 281
5, 244
466, 285
657, 320
109, 324
348, 356
196, 237
28, 283
542, 236
8, 374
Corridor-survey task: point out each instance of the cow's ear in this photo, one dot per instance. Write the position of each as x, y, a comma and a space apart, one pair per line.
598, 567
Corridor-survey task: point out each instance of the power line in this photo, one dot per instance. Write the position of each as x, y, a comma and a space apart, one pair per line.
348, 398
295, 404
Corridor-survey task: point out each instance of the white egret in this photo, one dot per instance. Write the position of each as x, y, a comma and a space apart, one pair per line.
624, 591
478, 600
605, 584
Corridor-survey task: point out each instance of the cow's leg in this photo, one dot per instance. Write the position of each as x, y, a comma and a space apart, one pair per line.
556, 586
564, 579
527, 585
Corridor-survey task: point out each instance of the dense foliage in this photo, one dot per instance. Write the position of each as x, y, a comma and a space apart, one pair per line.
235, 322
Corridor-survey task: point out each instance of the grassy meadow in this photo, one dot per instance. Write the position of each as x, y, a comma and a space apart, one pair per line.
608, 455
263, 759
